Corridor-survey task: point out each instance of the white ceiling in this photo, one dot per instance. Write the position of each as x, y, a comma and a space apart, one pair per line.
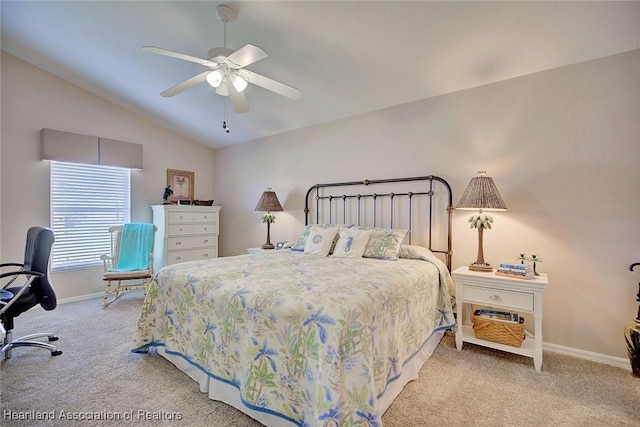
347, 57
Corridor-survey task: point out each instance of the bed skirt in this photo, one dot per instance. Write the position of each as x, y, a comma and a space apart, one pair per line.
225, 392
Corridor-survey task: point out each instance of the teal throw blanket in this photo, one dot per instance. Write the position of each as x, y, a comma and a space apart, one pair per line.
135, 246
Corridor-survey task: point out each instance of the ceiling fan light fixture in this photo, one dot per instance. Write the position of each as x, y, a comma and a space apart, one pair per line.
238, 82
226, 73
214, 78
223, 89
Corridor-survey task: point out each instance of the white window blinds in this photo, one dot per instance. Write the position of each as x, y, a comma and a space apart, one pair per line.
85, 201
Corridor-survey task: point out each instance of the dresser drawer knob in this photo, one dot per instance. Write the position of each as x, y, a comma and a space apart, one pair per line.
178, 258
178, 243
205, 241
206, 255
495, 298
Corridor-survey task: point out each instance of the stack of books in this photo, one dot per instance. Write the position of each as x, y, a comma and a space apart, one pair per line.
505, 316
518, 271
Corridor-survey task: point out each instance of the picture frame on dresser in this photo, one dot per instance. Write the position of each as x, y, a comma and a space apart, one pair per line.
182, 184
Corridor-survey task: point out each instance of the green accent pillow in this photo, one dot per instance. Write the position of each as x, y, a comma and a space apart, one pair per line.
385, 243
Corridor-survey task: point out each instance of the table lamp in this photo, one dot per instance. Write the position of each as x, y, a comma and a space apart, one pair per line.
481, 194
268, 203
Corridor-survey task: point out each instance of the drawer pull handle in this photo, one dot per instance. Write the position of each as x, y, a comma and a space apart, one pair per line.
205, 241
178, 258
178, 243
495, 298
206, 255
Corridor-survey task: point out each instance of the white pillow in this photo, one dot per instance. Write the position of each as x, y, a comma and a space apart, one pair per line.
320, 240
352, 243
301, 241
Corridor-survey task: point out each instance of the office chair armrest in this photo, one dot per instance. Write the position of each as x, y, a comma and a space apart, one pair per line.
22, 273
32, 276
11, 264
15, 274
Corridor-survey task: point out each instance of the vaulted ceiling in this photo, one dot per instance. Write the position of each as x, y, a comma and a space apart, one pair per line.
346, 57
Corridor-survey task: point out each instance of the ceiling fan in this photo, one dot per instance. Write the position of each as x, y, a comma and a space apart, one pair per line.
226, 71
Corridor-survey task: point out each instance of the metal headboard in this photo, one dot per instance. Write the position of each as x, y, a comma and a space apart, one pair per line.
333, 205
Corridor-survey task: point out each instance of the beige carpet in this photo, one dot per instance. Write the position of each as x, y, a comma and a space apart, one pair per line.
480, 387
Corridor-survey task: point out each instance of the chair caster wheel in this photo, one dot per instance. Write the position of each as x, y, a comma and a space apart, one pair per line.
53, 339
56, 353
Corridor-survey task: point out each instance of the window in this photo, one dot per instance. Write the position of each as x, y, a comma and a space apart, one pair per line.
85, 201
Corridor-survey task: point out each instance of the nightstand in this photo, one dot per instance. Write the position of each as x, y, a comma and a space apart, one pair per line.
259, 250
487, 289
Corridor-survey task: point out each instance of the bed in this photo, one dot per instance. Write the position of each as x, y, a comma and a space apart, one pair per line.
297, 338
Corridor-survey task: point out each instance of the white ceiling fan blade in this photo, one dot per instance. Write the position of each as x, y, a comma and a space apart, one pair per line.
270, 84
247, 54
238, 100
179, 55
180, 87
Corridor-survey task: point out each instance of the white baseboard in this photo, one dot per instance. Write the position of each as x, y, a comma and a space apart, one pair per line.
80, 298
83, 297
618, 362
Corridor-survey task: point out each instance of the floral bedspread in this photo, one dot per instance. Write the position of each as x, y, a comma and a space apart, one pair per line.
314, 340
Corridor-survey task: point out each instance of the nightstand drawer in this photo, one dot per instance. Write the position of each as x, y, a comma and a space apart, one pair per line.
488, 296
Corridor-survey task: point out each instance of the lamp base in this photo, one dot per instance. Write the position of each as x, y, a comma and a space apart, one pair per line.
268, 246
486, 268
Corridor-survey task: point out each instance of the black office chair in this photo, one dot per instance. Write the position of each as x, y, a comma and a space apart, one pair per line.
35, 290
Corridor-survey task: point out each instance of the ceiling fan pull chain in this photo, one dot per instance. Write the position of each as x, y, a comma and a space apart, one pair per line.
224, 122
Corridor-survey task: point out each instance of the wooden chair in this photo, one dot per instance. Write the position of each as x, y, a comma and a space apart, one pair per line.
133, 279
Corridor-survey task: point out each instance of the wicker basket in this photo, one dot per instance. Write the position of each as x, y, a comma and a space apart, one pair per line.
499, 331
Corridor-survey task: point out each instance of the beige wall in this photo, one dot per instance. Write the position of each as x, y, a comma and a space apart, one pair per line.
33, 99
563, 146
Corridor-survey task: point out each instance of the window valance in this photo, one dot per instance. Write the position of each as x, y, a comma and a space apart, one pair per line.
91, 150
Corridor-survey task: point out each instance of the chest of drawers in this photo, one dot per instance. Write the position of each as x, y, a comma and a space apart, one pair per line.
185, 233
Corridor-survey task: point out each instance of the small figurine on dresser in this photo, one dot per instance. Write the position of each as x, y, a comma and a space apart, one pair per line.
167, 193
